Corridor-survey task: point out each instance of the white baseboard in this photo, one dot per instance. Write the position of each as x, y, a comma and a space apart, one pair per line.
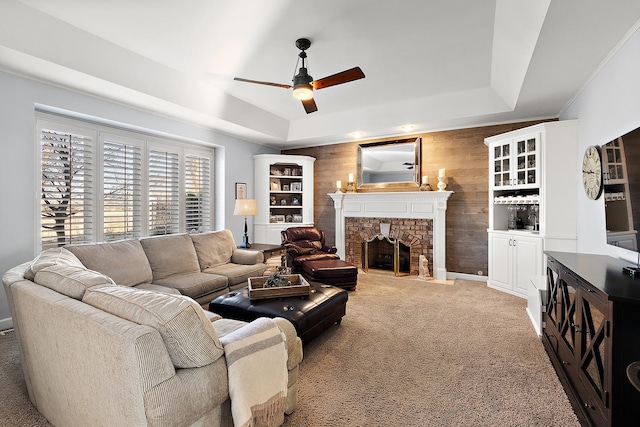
508, 291
6, 323
534, 322
465, 276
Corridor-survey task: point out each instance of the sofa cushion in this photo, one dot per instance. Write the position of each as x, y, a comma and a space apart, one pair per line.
188, 334
70, 280
158, 288
124, 261
214, 248
237, 273
49, 257
194, 285
170, 255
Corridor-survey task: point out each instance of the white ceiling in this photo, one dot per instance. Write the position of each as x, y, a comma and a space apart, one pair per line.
431, 64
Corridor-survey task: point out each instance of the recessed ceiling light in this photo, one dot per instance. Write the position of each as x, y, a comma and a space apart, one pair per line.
406, 128
357, 134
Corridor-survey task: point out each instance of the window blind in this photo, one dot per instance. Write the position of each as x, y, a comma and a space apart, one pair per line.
66, 202
101, 183
122, 190
197, 193
164, 191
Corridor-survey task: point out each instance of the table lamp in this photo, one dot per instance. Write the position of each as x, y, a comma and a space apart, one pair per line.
246, 207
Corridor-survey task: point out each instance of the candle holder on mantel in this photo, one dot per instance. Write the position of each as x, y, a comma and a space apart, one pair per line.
426, 187
441, 183
351, 188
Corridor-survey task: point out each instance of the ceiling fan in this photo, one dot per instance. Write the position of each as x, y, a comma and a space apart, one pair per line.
303, 83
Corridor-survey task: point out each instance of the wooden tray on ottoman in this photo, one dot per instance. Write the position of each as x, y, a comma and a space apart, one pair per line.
299, 287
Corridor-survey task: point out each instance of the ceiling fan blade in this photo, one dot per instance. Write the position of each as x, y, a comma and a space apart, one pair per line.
310, 105
263, 83
339, 78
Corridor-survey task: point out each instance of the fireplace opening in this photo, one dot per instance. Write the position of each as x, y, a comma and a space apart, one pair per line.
385, 253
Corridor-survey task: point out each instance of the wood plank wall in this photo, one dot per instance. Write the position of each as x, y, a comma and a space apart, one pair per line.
462, 152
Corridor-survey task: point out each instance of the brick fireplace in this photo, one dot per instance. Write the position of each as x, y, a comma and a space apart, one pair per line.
415, 234
418, 218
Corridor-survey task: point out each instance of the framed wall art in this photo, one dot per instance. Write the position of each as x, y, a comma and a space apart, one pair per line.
241, 190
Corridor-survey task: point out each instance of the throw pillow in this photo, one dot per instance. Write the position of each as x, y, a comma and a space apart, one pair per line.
70, 280
189, 336
49, 257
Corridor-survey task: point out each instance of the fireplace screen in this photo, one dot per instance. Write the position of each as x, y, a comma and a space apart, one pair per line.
385, 253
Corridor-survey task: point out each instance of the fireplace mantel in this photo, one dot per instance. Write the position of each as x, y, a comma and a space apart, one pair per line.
415, 204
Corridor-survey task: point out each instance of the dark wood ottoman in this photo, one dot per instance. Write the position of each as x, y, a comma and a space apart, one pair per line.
310, 315
333, 272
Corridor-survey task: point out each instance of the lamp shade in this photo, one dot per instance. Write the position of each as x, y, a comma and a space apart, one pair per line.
246, 207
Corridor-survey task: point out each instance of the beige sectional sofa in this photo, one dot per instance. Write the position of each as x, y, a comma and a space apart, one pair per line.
201, 266
111, 333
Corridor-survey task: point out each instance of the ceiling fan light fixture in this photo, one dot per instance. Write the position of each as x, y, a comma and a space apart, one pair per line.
303, 92
302, 88
304, 85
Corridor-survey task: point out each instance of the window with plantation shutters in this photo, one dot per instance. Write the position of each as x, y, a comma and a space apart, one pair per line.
122, 190
197, 193
164, 192
103, 183
66, 188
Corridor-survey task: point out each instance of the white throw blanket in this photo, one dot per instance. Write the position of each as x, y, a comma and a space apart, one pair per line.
257, 363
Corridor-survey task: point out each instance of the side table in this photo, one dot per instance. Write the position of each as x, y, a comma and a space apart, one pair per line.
269, 251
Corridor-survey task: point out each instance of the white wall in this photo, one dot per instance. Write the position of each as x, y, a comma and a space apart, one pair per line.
608, 107
18, 206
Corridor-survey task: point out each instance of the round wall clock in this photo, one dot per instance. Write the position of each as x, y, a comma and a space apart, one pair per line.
592, 172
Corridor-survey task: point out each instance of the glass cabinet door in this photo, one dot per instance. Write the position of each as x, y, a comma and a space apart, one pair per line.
527, 161
515, 163
502, 165
567, 314
592, 355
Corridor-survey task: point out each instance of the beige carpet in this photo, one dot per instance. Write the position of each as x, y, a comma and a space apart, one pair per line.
416, 353
408, 353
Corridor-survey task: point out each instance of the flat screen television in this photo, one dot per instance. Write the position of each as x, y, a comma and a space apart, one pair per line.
621, 179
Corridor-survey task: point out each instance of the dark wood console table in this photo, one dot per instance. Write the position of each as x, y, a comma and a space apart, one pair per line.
591, 332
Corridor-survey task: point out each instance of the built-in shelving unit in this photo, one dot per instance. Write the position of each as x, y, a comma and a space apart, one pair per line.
284, 194
529, 183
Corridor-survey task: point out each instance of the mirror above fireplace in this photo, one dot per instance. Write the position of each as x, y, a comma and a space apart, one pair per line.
393, 165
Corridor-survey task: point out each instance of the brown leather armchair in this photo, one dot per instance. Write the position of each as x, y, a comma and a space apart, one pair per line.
305, 244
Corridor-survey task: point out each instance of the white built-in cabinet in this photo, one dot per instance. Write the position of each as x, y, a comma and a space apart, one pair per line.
513, 260
533, 183
284, 195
